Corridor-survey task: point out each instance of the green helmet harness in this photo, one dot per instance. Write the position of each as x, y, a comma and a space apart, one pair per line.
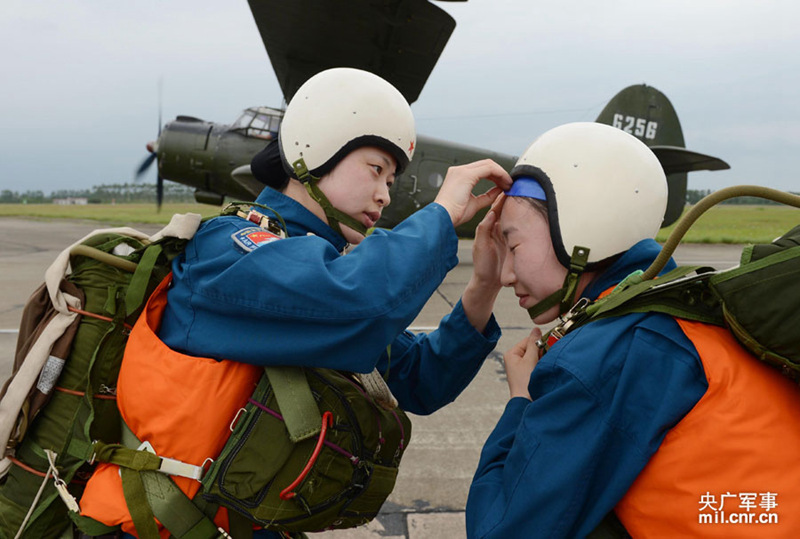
335, 217
565, 296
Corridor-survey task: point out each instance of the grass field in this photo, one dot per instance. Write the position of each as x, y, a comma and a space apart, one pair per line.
740, 224
721, 224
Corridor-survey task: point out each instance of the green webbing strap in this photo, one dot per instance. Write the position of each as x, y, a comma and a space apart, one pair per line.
141, 278
80, 449
175, 511
546, 303
632, 286
150, 494
136, 500
577, 265
131, 462
565, 296
295, 401
335, 216
126, 458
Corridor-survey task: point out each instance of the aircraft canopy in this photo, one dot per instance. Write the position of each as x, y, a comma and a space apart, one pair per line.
259, 122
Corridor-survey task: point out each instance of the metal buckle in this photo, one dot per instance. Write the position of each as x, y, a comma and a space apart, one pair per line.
567, 321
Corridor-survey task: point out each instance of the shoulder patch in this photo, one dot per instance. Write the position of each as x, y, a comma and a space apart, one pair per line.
250, 238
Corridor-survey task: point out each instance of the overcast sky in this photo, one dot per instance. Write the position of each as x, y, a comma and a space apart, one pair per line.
80, 79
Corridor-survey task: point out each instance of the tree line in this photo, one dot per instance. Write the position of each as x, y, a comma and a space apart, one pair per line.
693, 196
103, 194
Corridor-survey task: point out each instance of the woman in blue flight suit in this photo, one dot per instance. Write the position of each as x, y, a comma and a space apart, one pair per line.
645, 414
242, 293
299, 301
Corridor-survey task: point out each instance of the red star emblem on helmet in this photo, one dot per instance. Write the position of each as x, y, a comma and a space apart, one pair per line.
411, 146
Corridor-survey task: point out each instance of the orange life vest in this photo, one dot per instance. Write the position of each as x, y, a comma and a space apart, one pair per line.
183, 405
729, 468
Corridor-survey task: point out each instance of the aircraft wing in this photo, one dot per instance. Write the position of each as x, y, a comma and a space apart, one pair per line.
675, 159
399, 40
243, 176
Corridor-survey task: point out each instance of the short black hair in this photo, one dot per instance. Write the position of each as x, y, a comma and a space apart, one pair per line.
267, 167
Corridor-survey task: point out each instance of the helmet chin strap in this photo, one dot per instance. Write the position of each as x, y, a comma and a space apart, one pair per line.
335, 217
565, 296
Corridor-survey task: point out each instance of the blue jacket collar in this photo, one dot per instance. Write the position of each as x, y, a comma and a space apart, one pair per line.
638, 257
299, 220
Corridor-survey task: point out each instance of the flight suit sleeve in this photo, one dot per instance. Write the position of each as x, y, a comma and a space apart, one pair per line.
299, 302
556, 465
426, 371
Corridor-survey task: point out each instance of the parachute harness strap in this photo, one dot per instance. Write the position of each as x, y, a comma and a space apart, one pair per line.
335, 217
565, 296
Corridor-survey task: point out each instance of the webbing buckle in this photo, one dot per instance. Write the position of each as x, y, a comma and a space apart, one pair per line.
170, 466
567, 321
183, 469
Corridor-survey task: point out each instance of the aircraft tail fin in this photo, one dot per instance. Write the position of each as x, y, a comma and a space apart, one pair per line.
647, 114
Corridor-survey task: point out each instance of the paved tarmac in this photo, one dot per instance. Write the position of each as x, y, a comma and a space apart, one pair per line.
432, 486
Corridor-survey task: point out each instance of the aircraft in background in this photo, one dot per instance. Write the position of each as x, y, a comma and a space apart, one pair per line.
400, 40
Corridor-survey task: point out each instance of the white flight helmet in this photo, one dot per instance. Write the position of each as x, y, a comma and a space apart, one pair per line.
339, 110
605, 189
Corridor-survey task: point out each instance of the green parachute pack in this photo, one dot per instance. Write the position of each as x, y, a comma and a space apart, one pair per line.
313, 449
61, 395
758, 301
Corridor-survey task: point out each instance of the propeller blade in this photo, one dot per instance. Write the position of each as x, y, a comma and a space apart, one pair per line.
159, 191
145, 165
160, 93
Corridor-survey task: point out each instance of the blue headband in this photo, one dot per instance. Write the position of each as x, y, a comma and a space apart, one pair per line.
527, 187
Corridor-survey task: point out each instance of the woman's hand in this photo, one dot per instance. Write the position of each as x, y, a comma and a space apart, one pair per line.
488, 249
455, 194
488, 253
520, 362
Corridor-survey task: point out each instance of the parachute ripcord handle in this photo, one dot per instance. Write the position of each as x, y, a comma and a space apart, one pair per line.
707, 202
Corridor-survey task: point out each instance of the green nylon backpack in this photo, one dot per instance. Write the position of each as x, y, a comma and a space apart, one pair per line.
61, 395
758, 301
